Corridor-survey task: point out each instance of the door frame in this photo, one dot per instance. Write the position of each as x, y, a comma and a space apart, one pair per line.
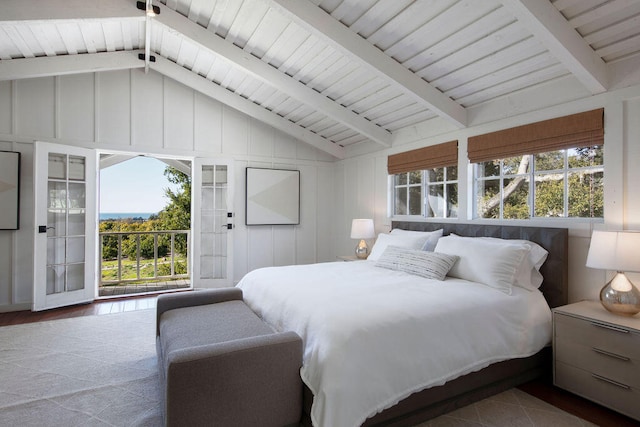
123, 156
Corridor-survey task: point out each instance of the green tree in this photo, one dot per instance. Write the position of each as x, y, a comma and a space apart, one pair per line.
585, 185
176, 215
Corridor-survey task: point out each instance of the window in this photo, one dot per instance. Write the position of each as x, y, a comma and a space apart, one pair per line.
425, 181
407, 193
431, 193
566, 183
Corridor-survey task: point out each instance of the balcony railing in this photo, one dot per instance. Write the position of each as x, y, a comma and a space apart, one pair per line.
145, 266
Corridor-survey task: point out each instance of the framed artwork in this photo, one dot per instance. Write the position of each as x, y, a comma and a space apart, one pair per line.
272, 197
9, 190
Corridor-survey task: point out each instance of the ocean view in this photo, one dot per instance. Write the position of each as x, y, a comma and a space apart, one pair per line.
123, 215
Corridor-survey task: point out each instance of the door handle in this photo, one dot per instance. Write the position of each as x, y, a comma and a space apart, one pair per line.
44, 228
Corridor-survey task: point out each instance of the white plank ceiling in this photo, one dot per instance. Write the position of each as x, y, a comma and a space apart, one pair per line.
334, 73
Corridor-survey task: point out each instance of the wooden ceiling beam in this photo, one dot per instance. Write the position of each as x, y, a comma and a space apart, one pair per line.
26, 68
266, 73
323, 25
548, 25
208, 88
21, 10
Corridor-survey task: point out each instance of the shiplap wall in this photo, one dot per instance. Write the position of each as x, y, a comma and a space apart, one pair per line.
150, 114
362, 180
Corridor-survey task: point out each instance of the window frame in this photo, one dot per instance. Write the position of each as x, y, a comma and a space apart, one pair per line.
424, 185
566, 171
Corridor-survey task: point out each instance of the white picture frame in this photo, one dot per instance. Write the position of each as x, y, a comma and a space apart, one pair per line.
272, 197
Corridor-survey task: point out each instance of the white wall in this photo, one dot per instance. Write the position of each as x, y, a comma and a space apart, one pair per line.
151, 114
361, 181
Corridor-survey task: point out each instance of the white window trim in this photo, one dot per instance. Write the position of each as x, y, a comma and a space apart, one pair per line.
531, 193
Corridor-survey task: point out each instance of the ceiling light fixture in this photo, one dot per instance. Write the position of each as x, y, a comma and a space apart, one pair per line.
148, 7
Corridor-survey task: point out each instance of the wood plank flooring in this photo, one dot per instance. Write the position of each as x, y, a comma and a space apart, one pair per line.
543, 389
106, 306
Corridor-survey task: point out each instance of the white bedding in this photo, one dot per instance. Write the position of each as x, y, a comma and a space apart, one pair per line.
373, 336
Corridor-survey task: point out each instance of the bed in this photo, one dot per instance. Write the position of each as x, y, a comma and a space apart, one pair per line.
370, 341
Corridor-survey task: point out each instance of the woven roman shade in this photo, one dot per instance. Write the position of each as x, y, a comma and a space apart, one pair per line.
435, 156
577, 130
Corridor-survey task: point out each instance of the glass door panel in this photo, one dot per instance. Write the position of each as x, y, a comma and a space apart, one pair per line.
64, 261
213, 224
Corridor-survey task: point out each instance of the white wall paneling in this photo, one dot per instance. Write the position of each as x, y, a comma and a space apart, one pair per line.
326, 216
235, 132
131, 111
208, 124
113, 106
6, 100
261, 139
147, 109
362, 180
75, 107
35, 112
631, 158
178, 116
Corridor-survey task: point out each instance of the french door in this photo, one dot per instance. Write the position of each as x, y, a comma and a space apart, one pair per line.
213, 223
65, 225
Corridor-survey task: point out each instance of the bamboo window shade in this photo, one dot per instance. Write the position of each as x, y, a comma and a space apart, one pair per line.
577, 130
435, 156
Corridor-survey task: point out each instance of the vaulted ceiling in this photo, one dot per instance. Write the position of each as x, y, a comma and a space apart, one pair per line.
333, 73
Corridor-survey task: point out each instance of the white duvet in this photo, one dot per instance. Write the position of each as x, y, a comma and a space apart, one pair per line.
373, 336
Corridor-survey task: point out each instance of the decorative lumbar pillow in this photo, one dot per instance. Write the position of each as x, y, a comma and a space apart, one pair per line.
484, 261
432, 237
409, 241
421, 263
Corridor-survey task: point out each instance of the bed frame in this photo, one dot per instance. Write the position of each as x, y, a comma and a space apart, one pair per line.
495, 378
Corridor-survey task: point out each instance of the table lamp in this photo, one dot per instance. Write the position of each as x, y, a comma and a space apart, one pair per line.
362, 229
619, 251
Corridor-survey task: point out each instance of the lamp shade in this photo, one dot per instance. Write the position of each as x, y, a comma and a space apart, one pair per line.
362, 229
614, 250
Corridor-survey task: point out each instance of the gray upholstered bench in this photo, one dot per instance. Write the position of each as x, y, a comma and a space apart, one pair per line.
221, 365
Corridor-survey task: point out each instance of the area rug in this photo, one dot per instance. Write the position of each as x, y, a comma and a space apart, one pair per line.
83, 371
101, 371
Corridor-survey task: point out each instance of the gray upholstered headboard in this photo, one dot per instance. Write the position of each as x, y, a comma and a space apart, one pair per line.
555, 240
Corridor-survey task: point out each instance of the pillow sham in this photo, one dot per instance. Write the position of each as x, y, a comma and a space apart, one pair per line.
528, 274
432, 237
418, 262
409, 241
494, 264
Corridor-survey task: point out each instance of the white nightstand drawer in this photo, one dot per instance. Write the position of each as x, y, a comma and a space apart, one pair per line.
611, 338
595, 359
616, 395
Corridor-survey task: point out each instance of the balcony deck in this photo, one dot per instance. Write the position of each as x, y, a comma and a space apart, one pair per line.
142, 288
138, 284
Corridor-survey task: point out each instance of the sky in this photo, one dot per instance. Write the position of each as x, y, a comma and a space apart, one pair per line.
135, 186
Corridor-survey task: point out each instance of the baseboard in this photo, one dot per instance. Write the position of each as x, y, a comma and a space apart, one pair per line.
8, 308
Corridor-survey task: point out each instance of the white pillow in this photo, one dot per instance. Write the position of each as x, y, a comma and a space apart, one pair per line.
432, 237
494, 264
421, 263
528, 275
409, 241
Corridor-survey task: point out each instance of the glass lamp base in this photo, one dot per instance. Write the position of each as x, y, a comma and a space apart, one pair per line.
624, 301
362, 250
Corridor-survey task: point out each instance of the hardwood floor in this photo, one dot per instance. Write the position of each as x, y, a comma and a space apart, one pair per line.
108, 306
543, 389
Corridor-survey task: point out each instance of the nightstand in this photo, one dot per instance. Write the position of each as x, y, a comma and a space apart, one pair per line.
596, 355
347, 258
